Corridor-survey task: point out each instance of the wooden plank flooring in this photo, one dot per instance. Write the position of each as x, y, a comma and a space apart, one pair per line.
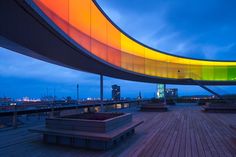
184, 131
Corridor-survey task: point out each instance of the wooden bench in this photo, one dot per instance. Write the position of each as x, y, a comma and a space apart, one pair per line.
91, 140
88, 130
221, 107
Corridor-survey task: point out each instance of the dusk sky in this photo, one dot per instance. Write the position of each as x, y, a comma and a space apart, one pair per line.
204, 29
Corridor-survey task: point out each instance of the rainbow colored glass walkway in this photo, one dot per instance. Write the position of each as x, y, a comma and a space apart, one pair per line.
86, 23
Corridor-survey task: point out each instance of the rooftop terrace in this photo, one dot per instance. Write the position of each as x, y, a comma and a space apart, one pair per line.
182, 131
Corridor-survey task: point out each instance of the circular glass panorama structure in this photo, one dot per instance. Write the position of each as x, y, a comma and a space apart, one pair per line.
86, 24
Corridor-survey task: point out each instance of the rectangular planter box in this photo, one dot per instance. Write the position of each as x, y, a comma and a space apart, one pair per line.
86, 122
89, 130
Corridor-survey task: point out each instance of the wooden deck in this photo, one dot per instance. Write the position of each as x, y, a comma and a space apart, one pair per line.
182, 131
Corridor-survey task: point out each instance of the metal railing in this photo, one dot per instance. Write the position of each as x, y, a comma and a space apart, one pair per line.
55, 109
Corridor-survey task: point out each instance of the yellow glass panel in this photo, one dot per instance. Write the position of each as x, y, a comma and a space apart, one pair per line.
126, 45
195, 72
138, 64
150, 67
161, 68
151, 54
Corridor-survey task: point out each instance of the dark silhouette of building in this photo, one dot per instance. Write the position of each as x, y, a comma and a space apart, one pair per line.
171, 93
5, 101
115, 92
139, 96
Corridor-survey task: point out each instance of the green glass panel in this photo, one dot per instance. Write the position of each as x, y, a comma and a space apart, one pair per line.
231, 73
207, 73
220, 73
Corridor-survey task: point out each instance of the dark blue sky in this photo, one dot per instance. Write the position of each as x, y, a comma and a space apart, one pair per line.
199, 28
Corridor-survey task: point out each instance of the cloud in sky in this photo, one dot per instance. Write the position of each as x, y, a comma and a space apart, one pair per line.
17, 65
188, 28
200, 29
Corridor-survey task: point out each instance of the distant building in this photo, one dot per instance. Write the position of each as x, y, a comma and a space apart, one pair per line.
115, 92
5, 101
171, 93
47, 98
139, 96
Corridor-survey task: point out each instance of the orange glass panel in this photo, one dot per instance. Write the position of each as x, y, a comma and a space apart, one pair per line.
60, 8
113, 37
127, 61
57, 12
80, 37
98, 33
99, 49
114, 46
114, 56
80, 15
98, 25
